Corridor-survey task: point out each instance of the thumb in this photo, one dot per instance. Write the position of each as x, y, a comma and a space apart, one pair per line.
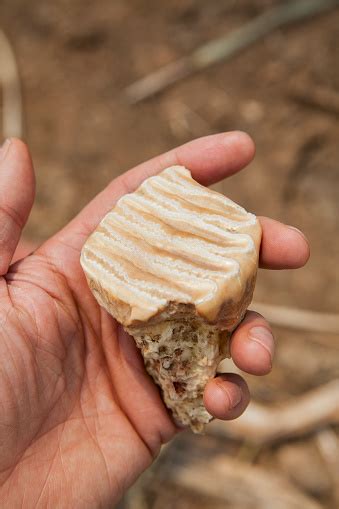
17, 191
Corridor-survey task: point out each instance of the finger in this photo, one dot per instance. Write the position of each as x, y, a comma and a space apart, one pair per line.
210, 159
17, 189
226, 396
282, 246
252, 345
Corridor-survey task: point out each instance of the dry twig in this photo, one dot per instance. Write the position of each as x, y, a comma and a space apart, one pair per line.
262, 424
225, 47
298, 318
241, 485
328, 446
11, 90
315, 96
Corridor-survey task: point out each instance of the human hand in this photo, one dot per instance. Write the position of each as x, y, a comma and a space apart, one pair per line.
80, 418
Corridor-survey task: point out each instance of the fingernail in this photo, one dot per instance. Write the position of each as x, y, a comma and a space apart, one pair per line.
264, 337
4, 149
298, 231
233, 393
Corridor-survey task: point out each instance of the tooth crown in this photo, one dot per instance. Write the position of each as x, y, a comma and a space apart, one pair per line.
172, 240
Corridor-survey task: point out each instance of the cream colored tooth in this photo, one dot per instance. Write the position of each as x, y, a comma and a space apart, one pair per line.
178, 206
130, 216
175, 263
195, 196
205, 252
193, 223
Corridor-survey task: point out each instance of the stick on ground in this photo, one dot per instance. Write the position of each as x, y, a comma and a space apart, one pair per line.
320, 97
262, 424
300, 319
227, 46
241, 485
11, 90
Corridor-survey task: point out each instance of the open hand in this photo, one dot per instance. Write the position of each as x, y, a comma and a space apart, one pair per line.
80, 418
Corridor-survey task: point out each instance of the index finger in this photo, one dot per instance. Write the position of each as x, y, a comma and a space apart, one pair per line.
210, 159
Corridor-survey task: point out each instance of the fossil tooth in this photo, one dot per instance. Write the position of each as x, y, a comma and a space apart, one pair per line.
175, 263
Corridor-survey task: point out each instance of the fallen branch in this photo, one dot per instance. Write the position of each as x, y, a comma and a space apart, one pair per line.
11, 90
261, 424
298, 318
301, 462
241, 485
227, 46
315, 96
328, 446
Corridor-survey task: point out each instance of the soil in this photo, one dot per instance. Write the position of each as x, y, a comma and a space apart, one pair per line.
75, 60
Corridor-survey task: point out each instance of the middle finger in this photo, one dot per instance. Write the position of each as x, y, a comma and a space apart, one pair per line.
252, 345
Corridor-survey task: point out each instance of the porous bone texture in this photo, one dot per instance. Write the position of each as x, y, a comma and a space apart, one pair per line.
175, 263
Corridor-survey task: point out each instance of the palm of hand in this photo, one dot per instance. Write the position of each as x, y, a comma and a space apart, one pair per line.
80, 418
69, 385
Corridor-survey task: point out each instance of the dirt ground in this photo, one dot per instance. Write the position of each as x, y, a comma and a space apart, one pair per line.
75, 60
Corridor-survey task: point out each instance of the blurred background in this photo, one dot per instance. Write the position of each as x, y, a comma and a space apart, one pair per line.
85, 125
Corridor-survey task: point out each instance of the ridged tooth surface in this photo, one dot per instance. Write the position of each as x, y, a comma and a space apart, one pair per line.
172, 240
